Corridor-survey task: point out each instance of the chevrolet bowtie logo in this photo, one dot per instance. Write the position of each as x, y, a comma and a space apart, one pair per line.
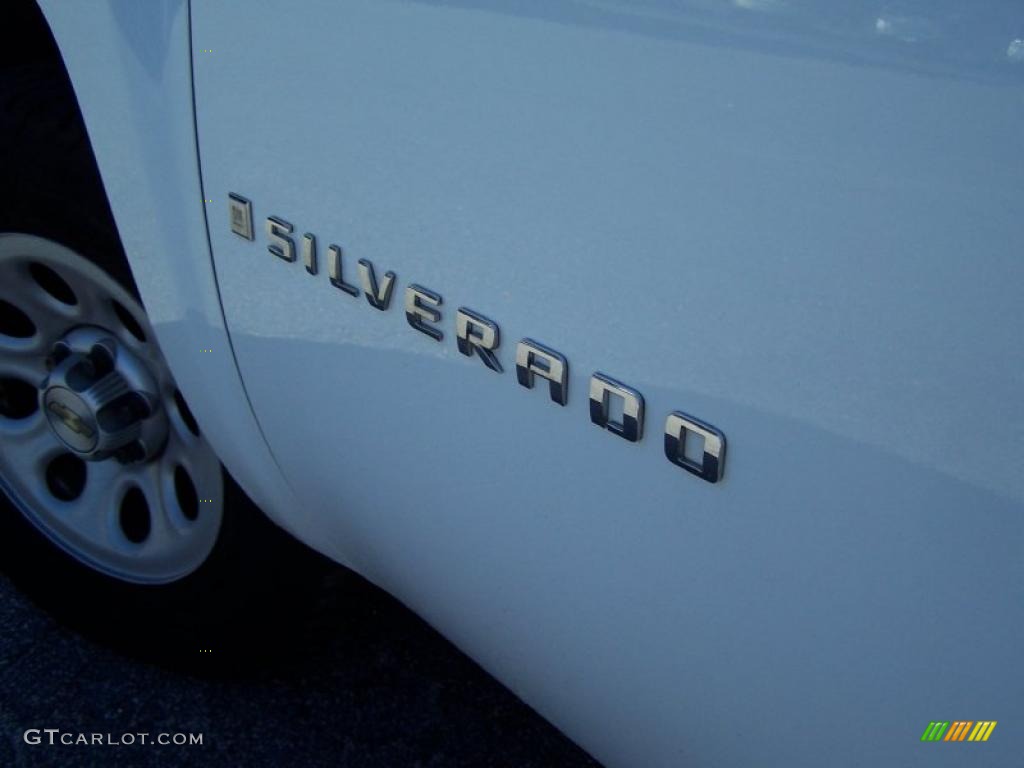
70, 419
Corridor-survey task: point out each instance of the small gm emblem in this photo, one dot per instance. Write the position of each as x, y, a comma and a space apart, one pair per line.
240, 211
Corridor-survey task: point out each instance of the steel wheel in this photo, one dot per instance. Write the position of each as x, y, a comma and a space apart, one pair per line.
97, 448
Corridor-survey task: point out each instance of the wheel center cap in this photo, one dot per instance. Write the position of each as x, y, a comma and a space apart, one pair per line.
71, 419
101, 400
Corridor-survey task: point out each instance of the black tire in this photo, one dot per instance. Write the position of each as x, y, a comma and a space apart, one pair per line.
241, 601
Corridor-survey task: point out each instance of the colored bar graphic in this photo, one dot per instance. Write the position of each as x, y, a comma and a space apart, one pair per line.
943, 730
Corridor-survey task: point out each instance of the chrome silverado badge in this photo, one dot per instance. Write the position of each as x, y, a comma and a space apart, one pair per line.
479, 336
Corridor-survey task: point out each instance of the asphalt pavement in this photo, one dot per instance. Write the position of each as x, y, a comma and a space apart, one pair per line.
370, 684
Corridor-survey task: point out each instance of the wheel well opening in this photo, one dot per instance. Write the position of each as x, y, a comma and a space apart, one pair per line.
44, 124
28, 39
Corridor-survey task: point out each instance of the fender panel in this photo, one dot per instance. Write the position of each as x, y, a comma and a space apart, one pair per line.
795, 223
